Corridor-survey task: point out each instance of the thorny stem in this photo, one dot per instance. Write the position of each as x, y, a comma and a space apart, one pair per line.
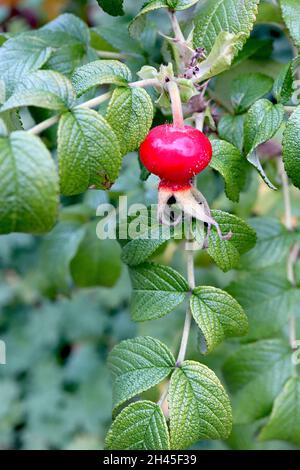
294, 252
177, 112
54, 119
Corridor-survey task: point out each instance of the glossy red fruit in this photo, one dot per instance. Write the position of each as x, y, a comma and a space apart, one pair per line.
175, 154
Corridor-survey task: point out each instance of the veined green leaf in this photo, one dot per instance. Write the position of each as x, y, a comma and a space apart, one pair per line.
100, 72
232, 165
181, 4
29, 185
44, 89
262, 122
226, 253
257, 370
291, 15
138, 23
218, 315
157, 290
137, 365
215, 16
284, 422
88, 152
231, 129
199, 406
130, 114
140, 426
70, 25
291, 145
283, 85
248, 88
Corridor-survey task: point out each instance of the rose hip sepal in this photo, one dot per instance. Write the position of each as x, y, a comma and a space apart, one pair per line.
177, 155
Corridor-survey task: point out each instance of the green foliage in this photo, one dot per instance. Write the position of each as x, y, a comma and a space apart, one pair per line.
291, 148
199, 406
291, 15
29, 186
157, 290
215, 16
112, 7
284, 84
130, 114
218, 315
88, 152
137, 365
231, 129
140, 426
248, 88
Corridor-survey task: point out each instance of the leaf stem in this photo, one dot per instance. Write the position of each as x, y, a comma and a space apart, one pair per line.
176, 27
177, 112
111, 55
144, 83
42, 126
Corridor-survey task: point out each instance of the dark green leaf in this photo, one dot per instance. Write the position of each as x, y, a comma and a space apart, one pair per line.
291, 145
231, 129
283, 86
248, 88
112, 7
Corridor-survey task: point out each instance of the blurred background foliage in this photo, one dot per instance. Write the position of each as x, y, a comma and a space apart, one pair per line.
55, 391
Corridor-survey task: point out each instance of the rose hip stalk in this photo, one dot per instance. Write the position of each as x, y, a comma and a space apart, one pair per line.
176, 155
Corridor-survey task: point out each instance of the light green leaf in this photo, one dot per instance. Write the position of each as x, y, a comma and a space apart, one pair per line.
140, 426
97, 262
181, 4
291, 145
88, 152
284, 422
218, 315
291, 15
57, 250
100, 72
137, 25
273, 243
199, 406
215, 16
231, 129
157, 290
262, 122
283, 85
44, 89
267, 298
248, 88
220, 56
130, 114
232, 165
137, 365
257, 370
29, 185
226, 253
112, 7
269, 13
70, 25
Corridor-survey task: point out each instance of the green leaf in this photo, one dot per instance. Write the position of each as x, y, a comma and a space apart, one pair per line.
273, 243
140, 426
112, 7
232, 165
254, 159
29, 185
97, 262
267, 298
199, 406
44, 89
226, 253
21, 55
100, 72
262, 122
157, 290
218, 315
181, 4
137, 25
215, 16
283, 86
137, 365
257, 370
231, 129
88, 152
150, 236
291, 15
130, 114
283, 423
57, 250
220, 56
269, 13
248, 88
291, 144
69, 25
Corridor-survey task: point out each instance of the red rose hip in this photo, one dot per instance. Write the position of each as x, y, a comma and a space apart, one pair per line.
175, 154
